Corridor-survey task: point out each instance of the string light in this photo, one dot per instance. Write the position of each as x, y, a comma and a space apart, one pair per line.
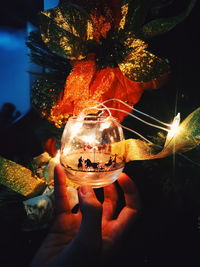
172, 128
136, 110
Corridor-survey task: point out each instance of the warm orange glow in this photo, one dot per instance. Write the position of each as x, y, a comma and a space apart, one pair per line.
50, 146
57, 157
86, 86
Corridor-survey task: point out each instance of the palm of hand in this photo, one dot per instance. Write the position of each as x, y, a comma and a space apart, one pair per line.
114, 224
67, 224
63, 231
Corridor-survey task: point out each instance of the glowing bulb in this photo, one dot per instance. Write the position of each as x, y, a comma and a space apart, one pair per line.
57, 157
89, 139
105, 125
66, 150
175, 126
174, 129
76, 127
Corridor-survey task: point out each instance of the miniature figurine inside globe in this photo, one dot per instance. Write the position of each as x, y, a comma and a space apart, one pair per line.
86, 150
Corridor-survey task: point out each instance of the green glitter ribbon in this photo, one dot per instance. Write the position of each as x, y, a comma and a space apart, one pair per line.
67, 34
67, 30
162, 25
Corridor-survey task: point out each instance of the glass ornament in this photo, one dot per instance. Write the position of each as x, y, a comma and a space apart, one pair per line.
86, 147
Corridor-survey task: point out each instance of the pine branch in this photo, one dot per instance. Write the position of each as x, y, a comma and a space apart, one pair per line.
42, 56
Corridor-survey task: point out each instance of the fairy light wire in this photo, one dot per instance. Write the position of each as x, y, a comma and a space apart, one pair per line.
96, 107
145, 122
110, 116
140, 135
123, 111
102, 107
136, 110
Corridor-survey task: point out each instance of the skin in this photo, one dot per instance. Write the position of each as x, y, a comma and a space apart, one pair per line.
78, 239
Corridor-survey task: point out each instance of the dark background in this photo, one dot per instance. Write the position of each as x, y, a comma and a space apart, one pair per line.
166, 234
16, 13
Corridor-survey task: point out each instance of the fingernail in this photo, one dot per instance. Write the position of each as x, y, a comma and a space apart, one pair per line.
84, 189
72, 196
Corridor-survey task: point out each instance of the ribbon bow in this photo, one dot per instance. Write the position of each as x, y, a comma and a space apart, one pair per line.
108, 54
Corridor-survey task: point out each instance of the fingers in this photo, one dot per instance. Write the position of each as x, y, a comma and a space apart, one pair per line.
61, 200
90, 207
132, 202
90, 229
130, 190
85, 248
50, 146
110, 201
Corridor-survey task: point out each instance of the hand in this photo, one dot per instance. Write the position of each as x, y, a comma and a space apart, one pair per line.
114, 226
77, 239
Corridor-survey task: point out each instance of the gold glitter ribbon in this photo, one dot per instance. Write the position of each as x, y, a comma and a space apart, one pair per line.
64, 30
141, 65
67, 29
114, 39
19, 178
186, 138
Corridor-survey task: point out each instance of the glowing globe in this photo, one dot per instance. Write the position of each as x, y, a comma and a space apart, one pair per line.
86, 150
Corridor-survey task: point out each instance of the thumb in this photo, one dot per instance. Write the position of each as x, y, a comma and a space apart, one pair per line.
85, 249
90, 207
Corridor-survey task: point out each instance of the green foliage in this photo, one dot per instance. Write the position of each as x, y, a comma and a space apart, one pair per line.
164, 25
42, 56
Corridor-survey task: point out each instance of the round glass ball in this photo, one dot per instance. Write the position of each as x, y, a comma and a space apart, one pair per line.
86, 150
